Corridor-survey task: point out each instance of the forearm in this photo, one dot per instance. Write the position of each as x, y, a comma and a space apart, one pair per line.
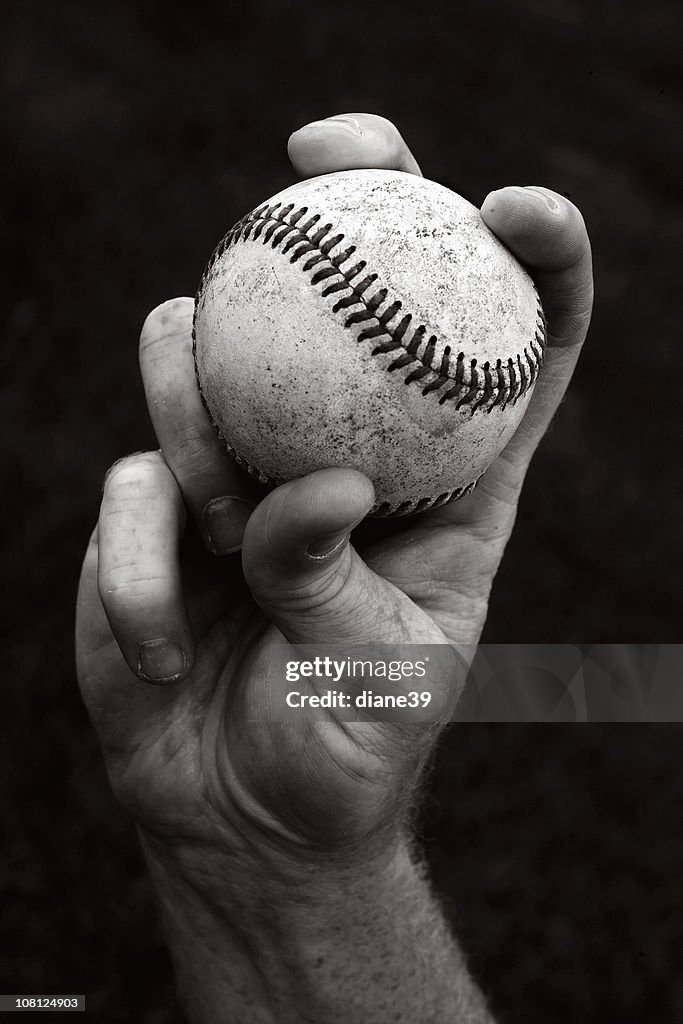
367, 946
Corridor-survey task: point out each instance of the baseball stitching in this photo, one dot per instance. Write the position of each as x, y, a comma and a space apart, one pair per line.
459, 379
384, 509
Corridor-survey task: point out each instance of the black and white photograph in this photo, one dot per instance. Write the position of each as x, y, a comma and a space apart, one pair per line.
341, 574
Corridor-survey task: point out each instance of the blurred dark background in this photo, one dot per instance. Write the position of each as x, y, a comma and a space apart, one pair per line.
133, 135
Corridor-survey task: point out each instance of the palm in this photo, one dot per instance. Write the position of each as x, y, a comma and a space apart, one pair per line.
445, 560
200, 757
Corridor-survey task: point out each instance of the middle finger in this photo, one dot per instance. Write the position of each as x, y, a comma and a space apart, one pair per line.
219, 496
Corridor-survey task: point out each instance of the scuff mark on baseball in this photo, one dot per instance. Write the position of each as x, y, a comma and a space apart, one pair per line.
367, 318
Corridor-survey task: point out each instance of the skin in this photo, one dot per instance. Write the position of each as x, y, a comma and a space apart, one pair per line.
232, 812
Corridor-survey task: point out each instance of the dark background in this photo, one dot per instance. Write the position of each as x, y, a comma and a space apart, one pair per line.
133, 136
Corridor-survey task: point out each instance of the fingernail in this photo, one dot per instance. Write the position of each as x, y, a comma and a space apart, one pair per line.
225, 520
327, 546
348, 124
161, 660
540, 193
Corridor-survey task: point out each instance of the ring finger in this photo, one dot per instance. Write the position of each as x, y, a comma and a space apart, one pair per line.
142, 518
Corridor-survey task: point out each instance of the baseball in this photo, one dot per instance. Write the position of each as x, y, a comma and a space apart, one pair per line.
367, 318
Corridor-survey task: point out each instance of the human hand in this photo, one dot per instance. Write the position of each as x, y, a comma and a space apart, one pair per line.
191, 760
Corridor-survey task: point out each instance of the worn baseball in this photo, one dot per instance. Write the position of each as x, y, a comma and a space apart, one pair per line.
367, 318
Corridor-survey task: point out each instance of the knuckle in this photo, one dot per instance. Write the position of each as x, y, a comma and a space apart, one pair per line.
194, 445
123, 586
312, 596
580, 319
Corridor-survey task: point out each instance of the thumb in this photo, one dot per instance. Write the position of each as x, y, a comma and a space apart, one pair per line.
306, 577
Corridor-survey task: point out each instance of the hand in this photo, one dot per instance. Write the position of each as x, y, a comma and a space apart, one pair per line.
187, 758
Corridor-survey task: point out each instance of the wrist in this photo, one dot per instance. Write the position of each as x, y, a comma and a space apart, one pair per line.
262, 945
350, 943
246, 885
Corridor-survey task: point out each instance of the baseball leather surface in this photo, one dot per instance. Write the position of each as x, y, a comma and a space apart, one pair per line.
367, 318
